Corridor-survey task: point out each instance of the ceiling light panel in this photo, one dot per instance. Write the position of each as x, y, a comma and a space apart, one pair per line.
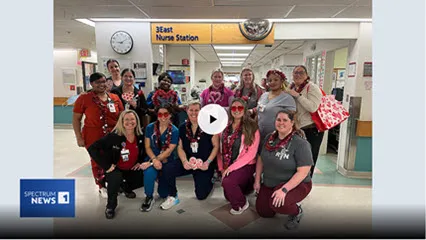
232, 59
232, 54
248, 47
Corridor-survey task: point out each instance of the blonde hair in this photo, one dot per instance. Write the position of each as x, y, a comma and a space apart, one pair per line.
194, 102
284, 87
217, 70
119, 127
240, 86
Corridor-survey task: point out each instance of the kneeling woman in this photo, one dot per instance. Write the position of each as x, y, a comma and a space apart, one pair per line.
161, 139
120, 153
237, 161
201, 148
285, 161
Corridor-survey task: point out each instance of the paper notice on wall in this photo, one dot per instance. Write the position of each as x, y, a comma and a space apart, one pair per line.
69, 76
352, 69
141, 71
368, 85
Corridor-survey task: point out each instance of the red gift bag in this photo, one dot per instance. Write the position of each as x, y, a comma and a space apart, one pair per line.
330, 113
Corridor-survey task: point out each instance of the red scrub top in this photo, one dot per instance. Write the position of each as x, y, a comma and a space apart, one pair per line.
92, 129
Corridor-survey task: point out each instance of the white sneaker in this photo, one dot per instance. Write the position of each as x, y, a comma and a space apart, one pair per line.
241, 210
170, 202
103, 192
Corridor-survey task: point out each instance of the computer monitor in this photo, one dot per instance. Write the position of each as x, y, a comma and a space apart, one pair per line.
178, 76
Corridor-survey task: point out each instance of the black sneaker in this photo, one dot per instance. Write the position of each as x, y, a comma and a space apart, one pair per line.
109, 213
147, 204
293, 221
130, 194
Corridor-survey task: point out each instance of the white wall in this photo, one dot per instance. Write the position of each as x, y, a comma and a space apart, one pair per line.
359, 51
203, 70
141, 52
175, 54
67, 59
260, 71
297, 31
322, 45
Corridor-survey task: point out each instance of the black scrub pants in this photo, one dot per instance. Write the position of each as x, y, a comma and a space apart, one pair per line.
315, 139
132, 180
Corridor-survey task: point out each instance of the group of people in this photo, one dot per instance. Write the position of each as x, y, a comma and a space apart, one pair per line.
263, 148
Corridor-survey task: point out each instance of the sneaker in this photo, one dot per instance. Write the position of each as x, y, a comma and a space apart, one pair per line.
103, 192
293, 221
241, 210
130, 194
147, 204
109, 213
170, 202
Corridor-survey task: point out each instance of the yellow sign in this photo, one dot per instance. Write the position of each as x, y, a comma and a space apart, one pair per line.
180, 33
230, 34
202, 33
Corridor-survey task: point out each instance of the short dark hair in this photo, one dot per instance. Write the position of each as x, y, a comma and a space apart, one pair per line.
95, 76
163, 76
166, 106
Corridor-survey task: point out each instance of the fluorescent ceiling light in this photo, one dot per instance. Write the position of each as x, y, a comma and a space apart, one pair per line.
235, 65
232, 59
232, 54
86, 21
250, 47
163, 20
232, 62
289, 20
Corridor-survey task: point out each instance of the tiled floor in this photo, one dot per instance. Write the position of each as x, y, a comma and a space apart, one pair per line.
337, 206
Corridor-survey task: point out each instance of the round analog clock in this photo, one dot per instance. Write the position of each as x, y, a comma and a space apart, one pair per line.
121, 42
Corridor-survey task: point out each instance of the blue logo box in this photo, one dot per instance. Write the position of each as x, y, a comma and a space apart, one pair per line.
47, 198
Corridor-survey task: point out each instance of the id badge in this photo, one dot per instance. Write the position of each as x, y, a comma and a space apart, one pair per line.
111, 107
125, 155
261, 107
194, 147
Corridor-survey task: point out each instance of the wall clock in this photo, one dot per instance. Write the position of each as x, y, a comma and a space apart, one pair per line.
121, 42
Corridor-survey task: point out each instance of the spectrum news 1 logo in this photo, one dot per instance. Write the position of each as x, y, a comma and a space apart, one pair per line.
47, 198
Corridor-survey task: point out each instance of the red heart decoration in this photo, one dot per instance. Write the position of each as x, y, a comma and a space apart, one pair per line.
199, 163
128, 96
215, 96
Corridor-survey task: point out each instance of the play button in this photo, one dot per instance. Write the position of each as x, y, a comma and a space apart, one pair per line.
212, 119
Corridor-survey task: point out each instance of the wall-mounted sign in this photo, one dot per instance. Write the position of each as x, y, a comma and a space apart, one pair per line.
84, 53
203, 33
255, 29
180, 33
140, 69
229, 33
352, 69
368, 69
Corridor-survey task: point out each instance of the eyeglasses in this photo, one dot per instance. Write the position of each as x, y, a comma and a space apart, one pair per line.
235, 108
160, 115
299, 72
99, 82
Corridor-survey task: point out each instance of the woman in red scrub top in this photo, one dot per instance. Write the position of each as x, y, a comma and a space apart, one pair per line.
101, 111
